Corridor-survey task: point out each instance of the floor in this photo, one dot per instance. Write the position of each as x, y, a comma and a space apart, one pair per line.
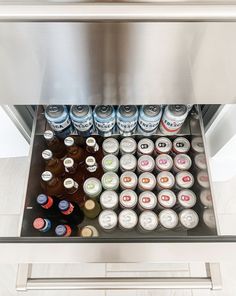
13, 172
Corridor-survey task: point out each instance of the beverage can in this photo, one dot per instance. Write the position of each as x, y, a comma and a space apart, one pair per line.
108, 220
147, 200
104, 119
146, 181
203, 179
110, 163
209, 218
168, 219
42, 225
128, 162
163, 145
110, 181
200, 161
164, 162
184, 179
109, 200
127, 118
146, 164
128, 180
82, 119
173, 118
128, 146
182, 162
165, 180
181, 145
110, 146
186, 198
128, 219
206, 198
128, 199
149, 118
188, 218
148, 221
145, 147
166, 198
197, 145
92, 187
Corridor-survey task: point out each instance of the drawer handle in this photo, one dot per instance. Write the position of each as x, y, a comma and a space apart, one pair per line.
25, 282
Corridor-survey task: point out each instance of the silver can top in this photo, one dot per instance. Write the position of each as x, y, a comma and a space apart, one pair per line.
181, 145
128, 219
110, 146
184, 179
128, 162
92, 187
109, 199
145, 146
147, 181
148, 220
200, 161
197, 144
187, 198
166, 198
128, 145
151, 110
163, 145
110, 181
128, 180
110, 163
188, 218
203, 179
103, 111
206, 198
47, 154
146, 163
147, 200
168, 218
128, 199
164, 162
108, 219
182, 162
177, 110
165, 180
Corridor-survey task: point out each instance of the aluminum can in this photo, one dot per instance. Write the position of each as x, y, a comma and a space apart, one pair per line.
209, 218
128, 199
104, 119
163, 145
128, 145
146, 181
128, 219
188, 218
127, 118
108, 220
149, 119
145, 147
58, 118
110, 181
128, 180
109, 200
186, 199
147, 201
203, 179
182, 162
110, 146
164, 162
181, 145
92, 187
146, 164
168, 219
128, 162
184, 179
110, 163
165, 180
82, 119
173, 119
206, 198
166, 199
197, 145
200, 161
148, 221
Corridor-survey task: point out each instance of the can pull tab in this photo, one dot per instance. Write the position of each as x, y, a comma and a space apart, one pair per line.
164, 179
127, 179
165, 197
186, 179
144, 162
181, 161
145, 180
146, 199
162, 161
185, 197
126, 198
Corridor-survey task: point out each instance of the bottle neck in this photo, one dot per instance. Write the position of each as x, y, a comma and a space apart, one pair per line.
93, 149
73, 189
69, 210
92, 168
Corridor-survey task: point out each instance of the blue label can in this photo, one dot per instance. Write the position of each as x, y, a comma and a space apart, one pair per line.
149, 119
82, 118
104, 119
127, 118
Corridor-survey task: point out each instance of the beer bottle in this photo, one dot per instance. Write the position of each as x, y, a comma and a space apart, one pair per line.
54, 144
45, 201
91, 209
93, 149
72, 212
52, 184
42, 225
93, 169
53, 164
70, 166
89, 231
74, 151
74, 192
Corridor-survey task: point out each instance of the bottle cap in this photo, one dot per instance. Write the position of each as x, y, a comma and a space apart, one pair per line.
38, 223
90, 161
86, 232
47, 154
60, 230
48, 135
63, 205
89, 204
42, 199
91, 142
69, 141
46, 176
69, 183
68, 162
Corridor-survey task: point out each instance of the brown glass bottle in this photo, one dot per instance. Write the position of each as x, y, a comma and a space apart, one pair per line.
93, 149
53, 164
54, 144
73, 151
93, 169
74, 192
52, 185
73, 170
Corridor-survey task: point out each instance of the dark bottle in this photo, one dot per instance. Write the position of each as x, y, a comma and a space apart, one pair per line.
53, 164
70, 166
91, 209
72, 212
54, 144
42, 225
63, 230
74, 151
51, 184
93, 149
46, 202
93, 169
74, 192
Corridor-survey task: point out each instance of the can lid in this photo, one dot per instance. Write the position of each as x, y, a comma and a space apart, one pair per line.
128, 198
197, 144
107, 219
182, 161
110, 146
166, 198
103, 111
79, 110
90, 161
200, 161
128, 145
63, 205
42, 199
168, 218
148, 220
110, 180
177, 110
206, 198
163, 145
209, 218
47, 154
91, 142
86, 232
60, 230
109, 199
147, 200
129, 180
48, 135
69, 141
46, 176
189, 218
92, 186
203, 179
69, 183
181, 145
147, 181
145, 146
68, 162
164, 162
38, 223
151, 110
110, 162
54, 111
89, 204
127, 110
184, 179
128, 219
165, 180
187, 198
128, 162
146, 163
